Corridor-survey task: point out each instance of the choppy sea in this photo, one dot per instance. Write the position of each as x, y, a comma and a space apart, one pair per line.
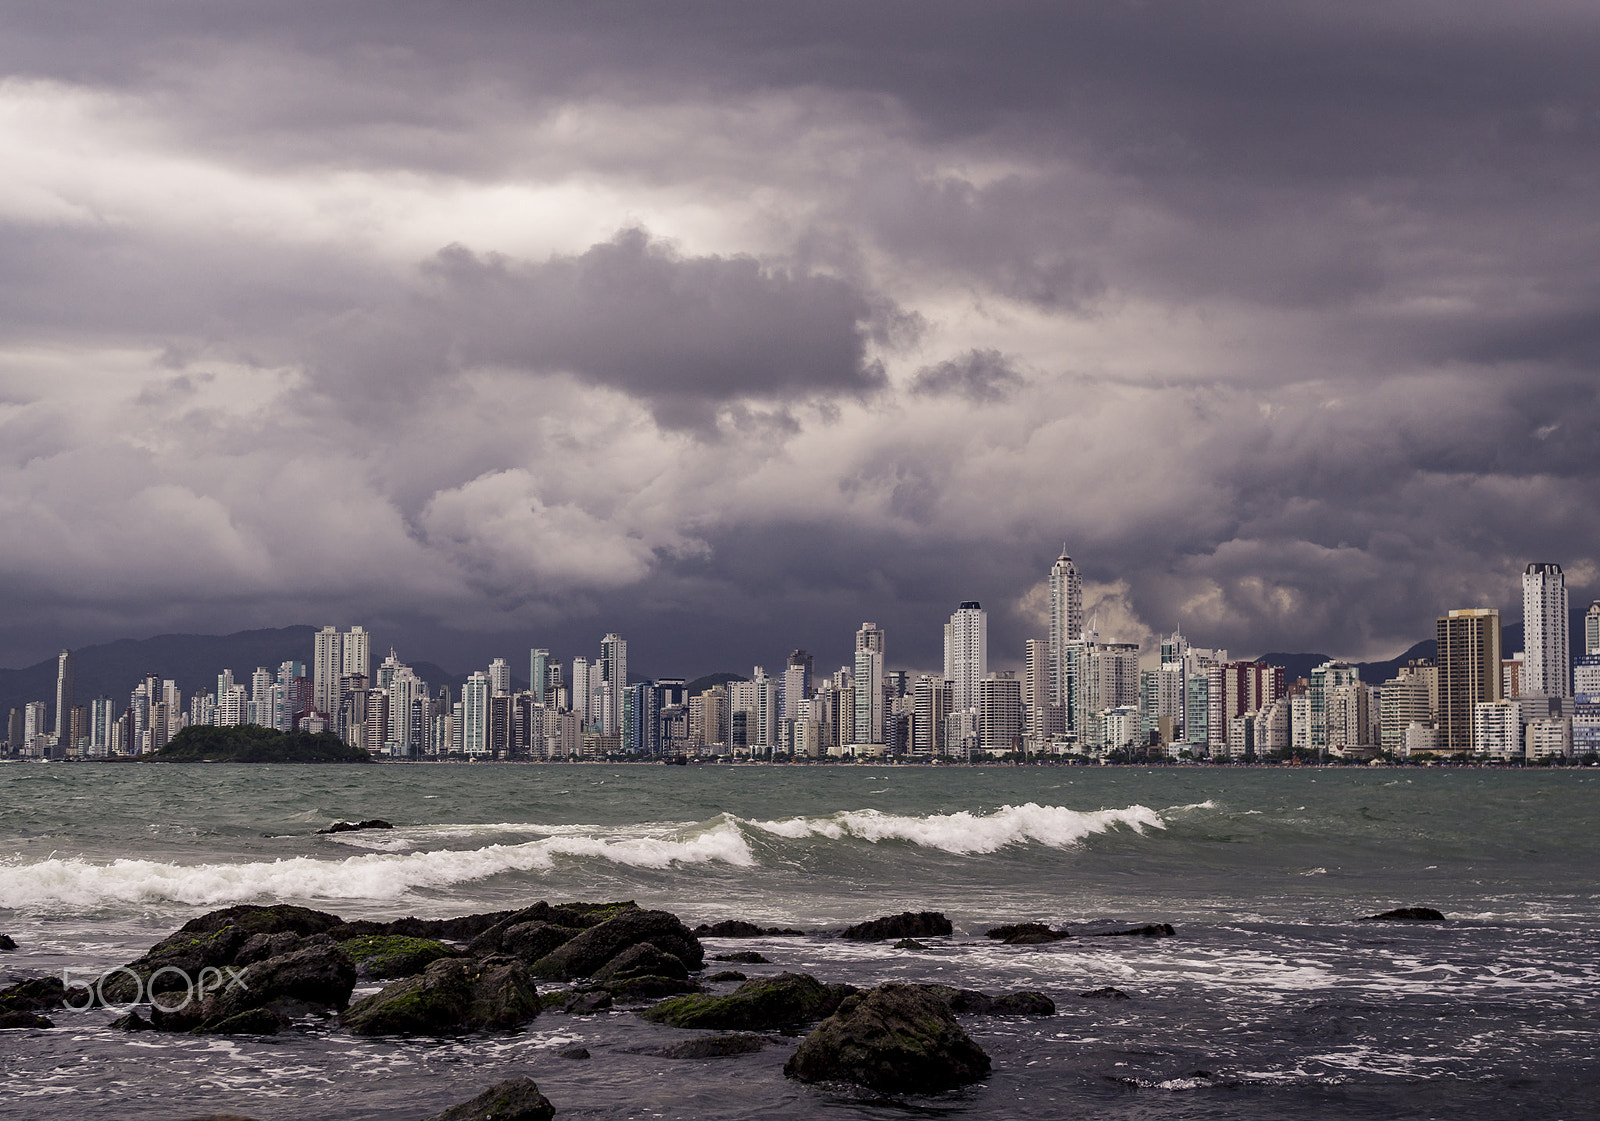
1290, 1006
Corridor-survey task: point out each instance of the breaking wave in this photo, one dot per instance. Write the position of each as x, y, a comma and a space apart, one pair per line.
965, 832
79, 883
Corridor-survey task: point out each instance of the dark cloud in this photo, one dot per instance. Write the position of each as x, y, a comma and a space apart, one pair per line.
979, 375
685, 334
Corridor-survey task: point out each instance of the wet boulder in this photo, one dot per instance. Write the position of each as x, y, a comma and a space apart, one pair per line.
1407, 914
973, 1002
19, 1019
7, 942
744, 957
893, 1039
907, 924
738, 928
38, 994
1106, 993
642, 960
213, 941
384, 956
265, 996
586, 954
712, 1047
531, 941
1149, 930
516, 1099
765, 1004
353, 826
451, 996
1026, 934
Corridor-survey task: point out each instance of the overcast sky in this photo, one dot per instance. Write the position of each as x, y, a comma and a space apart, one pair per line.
729, 326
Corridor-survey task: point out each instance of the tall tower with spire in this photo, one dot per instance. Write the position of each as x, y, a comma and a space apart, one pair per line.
1066, 623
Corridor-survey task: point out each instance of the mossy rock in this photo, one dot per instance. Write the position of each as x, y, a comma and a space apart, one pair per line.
516, 1099
893, 1039
586, 954
451, 996
765, 1004
382, 956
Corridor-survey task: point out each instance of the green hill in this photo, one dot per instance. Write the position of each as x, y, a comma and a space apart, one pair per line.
251, 743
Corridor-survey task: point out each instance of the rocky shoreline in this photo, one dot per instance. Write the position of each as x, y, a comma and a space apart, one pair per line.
265, 970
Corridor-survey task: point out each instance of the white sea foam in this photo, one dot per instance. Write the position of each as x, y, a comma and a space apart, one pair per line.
966, 832
73, 882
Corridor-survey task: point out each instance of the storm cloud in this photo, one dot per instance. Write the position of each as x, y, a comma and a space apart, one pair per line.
730, 328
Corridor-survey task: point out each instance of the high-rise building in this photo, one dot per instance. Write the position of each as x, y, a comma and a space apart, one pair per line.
357, 652
1546, 638
1066, 625
499, 678
1035, 679
869, 681
614, 681
930, 711
582, 688
999, 712
1405, 702
327, 665
65, 684
805, 661
1469, 672
539, 675
475, 716
966, 653
1591, 629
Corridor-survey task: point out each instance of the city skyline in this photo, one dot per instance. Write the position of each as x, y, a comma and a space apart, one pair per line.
1081, 692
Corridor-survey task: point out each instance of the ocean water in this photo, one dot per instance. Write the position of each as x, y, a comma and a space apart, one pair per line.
1290, 1006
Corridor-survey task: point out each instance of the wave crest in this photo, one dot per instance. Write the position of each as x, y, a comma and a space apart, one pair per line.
965, 832
73, 882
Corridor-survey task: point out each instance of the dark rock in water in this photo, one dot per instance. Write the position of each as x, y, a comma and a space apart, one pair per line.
584, 955
17, 1019
1107, 993
1149, 930
1407, 914
573, 1053
894, 1039
712, 1047
1026, 934
643, 960
383, 956
459, 929
765, 1004
531, 941
255, 1021
965, 1001
516, 1099
909, 944
7, 942
728, 975
1024, 1002
40, 994
132, 1022
215, 940
738, 928
352, 826
744, 957
452, 995
632, 990
585, 1003
907, 924
267, 995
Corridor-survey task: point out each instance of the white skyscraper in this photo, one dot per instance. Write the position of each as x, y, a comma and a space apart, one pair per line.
499, 678
539, 674
869, 678
475, 715
966, 654
614, 681
582, 688
1066, 625
1547, 669
66, 680
357, 652
327, 665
